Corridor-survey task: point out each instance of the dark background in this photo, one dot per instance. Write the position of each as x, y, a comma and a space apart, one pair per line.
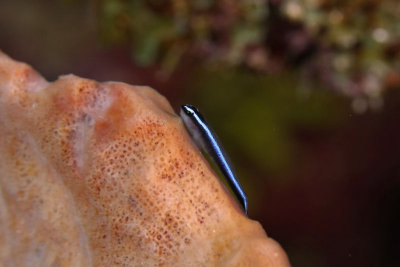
303, 94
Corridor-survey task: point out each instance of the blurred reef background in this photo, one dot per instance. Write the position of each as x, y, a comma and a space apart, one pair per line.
303, 94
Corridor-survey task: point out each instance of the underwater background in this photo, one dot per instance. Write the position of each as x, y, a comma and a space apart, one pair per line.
304, 96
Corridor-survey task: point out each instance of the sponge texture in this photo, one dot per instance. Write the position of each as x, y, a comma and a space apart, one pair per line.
104, 174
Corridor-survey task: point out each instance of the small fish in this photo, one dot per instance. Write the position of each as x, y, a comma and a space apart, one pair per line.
207, 140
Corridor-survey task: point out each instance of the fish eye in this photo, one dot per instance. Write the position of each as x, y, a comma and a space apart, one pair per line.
189, 110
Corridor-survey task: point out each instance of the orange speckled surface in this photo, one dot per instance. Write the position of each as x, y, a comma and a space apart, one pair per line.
103, 174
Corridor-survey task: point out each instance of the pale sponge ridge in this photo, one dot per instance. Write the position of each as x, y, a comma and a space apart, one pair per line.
104, 174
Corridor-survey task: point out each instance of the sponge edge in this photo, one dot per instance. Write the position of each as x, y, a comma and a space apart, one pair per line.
104, 174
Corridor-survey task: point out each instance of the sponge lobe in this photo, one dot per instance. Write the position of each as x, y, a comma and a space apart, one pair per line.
105, 174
